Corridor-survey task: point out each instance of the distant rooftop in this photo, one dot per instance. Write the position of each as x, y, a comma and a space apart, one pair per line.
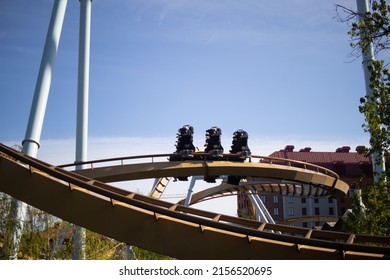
340, 155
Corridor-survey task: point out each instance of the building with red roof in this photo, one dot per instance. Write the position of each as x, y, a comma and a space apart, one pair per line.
354, 168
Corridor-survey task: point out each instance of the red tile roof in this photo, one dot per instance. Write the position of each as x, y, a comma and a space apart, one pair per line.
350, 166
342, 156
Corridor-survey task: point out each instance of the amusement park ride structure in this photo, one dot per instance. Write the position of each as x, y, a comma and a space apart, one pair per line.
84, 197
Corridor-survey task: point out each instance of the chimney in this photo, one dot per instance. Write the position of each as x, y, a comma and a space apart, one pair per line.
306, 150
360, 149
289, 148
344, 149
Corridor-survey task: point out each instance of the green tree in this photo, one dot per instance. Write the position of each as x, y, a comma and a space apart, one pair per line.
5, 206
376, 110
371, 31
371, 209
370, 28
373, 215
47, 237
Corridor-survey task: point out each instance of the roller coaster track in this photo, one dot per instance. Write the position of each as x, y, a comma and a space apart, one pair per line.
287, 177
310, 219
283, 187
172, 229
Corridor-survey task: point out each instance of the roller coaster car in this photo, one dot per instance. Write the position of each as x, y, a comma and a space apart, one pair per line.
213, 148
239, 147
213, 143
184, 145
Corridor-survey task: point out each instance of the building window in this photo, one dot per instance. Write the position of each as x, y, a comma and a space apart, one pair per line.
330, 200
291, 211
317, 211
276, 199
331, 211
304, 211
304, 224
303, 200
316, 200
262, 197
290, 199
276, 211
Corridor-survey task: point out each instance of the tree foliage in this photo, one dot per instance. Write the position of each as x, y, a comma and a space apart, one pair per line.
373, 28
371, 210
376, 109
47, 237
372, 216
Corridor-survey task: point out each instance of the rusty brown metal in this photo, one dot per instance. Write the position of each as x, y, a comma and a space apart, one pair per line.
299, 179
173, 230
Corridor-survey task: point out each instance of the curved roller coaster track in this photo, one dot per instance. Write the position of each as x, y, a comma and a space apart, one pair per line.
85, 198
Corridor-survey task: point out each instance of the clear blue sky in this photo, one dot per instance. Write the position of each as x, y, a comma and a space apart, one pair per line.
278, 69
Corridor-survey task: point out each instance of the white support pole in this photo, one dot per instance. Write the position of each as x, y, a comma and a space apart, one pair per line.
82, 109
190, 190
83, 81
41, 94
260, 216
261, 210
264, 209
37, 113
368, 57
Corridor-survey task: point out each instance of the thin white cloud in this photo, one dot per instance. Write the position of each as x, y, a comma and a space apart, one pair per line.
213, 21
61, 151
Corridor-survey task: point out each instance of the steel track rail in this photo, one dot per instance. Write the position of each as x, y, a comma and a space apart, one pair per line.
289, 180
258, 187
206, 156
343, 245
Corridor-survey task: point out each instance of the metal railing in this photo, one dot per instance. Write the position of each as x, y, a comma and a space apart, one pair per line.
205, 156
300, 236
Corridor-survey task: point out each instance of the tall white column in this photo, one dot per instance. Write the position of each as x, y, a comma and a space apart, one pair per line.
83, 81
368, 57
41, 94
79, 233
35, 121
